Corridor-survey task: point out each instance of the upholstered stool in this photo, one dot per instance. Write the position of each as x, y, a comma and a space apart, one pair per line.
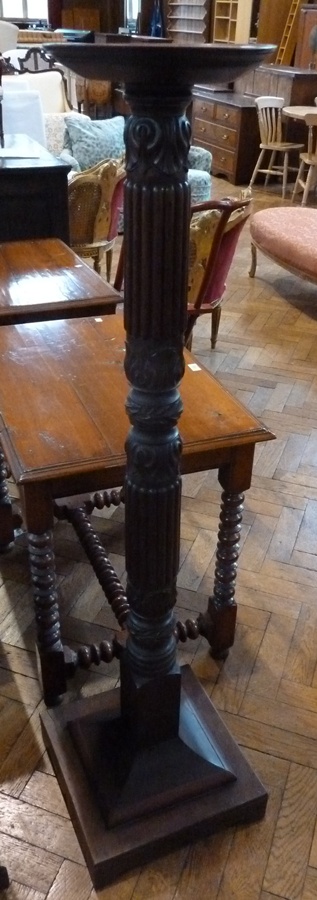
287, 235
200, 185
199, 158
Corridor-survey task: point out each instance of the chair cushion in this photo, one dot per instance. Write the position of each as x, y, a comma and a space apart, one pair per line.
200, 185
200, 158
91, 141
289, 235
55, 131
202, 229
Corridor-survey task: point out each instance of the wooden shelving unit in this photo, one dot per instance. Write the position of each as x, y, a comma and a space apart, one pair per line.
189, 21
232, 21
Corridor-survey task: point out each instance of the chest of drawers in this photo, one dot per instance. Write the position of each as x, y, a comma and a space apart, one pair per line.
226, 124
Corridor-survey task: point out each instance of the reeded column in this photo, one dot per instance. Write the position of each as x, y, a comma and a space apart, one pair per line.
156, 226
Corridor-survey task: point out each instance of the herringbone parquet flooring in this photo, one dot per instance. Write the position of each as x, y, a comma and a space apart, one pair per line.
266, 690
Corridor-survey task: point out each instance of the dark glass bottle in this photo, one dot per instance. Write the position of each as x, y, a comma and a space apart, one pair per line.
156, 26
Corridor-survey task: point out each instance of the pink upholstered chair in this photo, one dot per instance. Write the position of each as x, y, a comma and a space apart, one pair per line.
214, 231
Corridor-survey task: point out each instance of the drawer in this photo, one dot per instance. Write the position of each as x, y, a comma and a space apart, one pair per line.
222, 160
227, 115
203, 109
203, 130
225, 137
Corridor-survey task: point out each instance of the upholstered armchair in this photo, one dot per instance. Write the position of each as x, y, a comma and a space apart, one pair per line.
95, 202
89, 141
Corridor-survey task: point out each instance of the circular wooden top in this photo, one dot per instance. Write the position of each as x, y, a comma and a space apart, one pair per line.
159, 64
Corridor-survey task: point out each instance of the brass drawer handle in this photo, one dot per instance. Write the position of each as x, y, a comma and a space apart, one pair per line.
204, 108
222, 159
226, 115
202, 129
225, 137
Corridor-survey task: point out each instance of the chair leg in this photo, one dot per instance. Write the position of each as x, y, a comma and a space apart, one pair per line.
189, 341
285, 173
256, 169
97, 263
109, 254
310, 180
270, 165
299, 176
254, 260
215, 322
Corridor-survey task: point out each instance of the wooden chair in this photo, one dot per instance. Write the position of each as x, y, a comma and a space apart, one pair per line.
214, 231
271, 135
307, 174
95, 199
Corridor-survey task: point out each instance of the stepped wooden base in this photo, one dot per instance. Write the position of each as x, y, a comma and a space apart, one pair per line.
194, 787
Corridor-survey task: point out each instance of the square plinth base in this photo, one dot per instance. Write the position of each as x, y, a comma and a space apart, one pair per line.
111, 850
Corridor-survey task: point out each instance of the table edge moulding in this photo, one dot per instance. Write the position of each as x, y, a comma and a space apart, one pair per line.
168, 770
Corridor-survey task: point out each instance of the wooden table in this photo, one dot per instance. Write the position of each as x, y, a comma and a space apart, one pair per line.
33, 192
63, 433
298, 112
45, 279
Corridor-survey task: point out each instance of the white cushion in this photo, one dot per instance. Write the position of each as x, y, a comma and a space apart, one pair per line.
23, 114
50, 86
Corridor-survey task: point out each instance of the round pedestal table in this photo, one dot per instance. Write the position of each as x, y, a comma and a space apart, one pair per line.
155, 765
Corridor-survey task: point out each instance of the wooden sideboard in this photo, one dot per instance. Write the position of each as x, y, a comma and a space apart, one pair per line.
297, 86
226, 124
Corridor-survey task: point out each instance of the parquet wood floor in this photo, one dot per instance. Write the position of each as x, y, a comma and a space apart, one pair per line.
266, 690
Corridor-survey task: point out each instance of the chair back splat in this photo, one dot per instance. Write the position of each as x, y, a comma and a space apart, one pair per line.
214, 231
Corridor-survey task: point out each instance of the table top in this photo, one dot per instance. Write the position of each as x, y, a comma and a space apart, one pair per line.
298, 112
62, 398
23, 152
45, 278
142, 61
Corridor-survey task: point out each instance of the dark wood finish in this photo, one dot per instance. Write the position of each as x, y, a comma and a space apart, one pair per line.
157, 211
45, 279
243, 798
62, 382
307, 20
54, 9
226, 124
33, 193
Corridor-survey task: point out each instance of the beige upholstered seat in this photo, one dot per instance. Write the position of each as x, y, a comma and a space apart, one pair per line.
271, 135
95, 201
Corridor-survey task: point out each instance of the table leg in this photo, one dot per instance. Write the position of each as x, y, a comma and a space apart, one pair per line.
6, 513
218, 622
50, 647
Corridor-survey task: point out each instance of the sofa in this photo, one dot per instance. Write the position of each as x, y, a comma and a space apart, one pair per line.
88, 141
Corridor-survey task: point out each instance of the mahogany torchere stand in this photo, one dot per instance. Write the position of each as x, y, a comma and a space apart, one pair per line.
151, 766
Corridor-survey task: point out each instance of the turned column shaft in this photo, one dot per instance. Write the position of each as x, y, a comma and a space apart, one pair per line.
156, 228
